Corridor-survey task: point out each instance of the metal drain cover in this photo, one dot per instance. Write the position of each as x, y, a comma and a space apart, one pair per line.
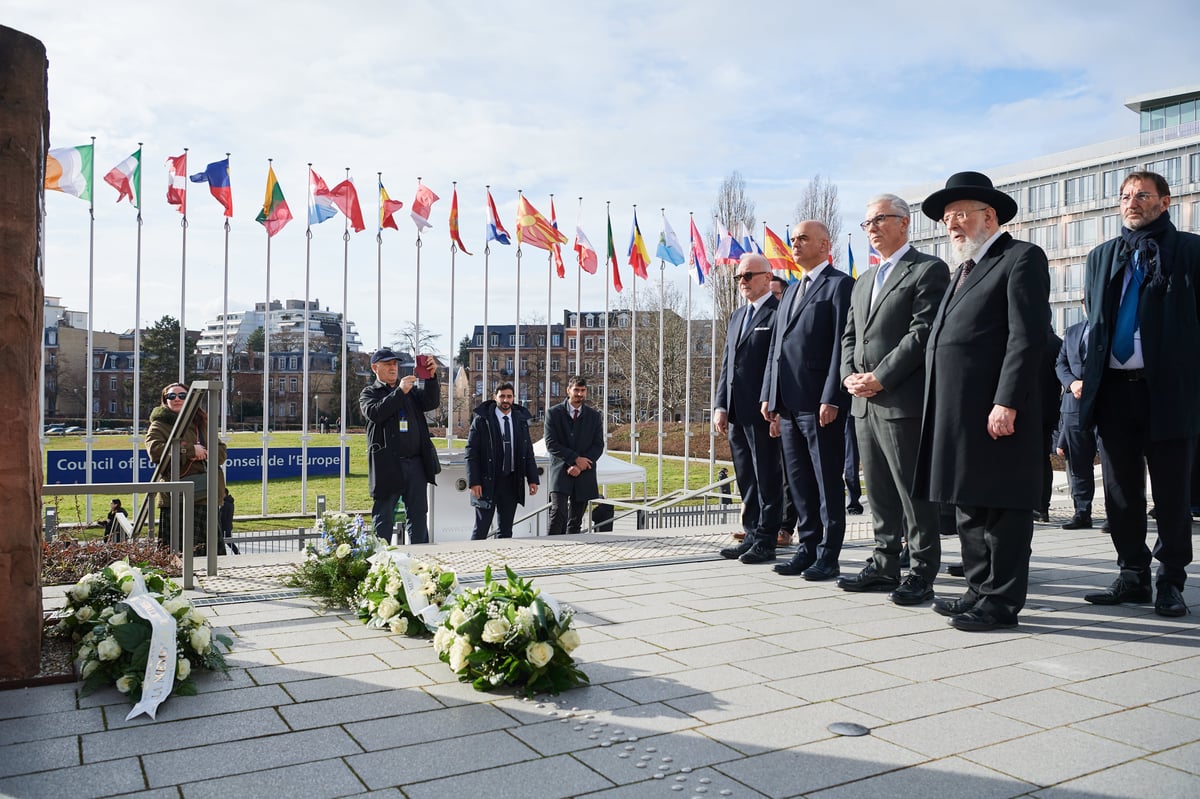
848, 728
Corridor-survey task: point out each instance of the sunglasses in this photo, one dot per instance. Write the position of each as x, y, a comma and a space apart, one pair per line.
174, 396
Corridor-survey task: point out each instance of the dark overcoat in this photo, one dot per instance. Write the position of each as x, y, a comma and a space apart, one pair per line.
485, 449
566, 441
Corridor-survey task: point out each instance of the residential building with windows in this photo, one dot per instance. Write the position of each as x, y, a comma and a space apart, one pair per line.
285, 321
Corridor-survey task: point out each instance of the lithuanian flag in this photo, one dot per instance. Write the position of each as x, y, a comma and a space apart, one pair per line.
275, 212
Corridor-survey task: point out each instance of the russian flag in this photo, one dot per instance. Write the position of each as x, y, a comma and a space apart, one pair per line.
216, 175
495, 230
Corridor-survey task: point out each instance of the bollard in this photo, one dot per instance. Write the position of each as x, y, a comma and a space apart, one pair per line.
320, 505
50, 523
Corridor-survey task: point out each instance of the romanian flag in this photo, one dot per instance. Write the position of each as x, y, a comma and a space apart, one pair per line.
697, 256
345, 197
455, 236
387, 207
69, 170
779, 254
216, 175
557, 250
534, 229
275, 212
639, 259
177, 181
612, 257
126, 178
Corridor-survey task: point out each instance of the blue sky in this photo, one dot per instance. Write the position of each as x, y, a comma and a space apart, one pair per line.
646, 103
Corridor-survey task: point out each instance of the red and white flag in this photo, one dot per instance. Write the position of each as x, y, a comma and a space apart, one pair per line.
345, 197
177, 182
585, 253
422, 205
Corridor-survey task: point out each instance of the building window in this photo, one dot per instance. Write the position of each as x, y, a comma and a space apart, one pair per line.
112, 406
512, 339
1113, 179
1079, 190
541, 341
1194, 167
556, 340
1081, 232
1043, 196
495, 337
589, 344
1111, 226
283, 385
1074, 274
112, 384
478, 339
479, 363
1173, 212
1169, 168
571, 342
554, 388
291, 409
508, 364
1044, 236
554, 365
293, 363
591, 320
589, 368
295, 385
574, 320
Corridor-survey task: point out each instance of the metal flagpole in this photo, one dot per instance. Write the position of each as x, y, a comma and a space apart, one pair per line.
378, 265
633, 435
453, 354
578, 300
137, 333
549, 310
417, 293
712, 389
517, 337
662, 301
224, 339
345, 351
266, 364
687, 371
183, 223
608, 212
87, 436
304, 437
487, 250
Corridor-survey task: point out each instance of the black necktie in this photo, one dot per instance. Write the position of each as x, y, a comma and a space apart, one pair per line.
964, 270
508, 453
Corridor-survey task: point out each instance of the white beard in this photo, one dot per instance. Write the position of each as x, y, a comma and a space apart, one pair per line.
969, 248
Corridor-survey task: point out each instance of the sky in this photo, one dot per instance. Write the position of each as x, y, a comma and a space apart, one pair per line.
618, 103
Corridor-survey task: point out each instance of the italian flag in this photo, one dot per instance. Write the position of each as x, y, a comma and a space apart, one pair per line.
69, 170
126, 178
275, 212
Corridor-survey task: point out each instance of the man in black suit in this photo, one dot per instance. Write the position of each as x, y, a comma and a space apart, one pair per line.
802, 392
1076, 442
575, 441
981, 432
1051, 400
1141, 381
499, 462
737, 413
883, 368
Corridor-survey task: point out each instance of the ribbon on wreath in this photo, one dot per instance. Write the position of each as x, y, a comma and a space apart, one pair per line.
159, 679
432, 615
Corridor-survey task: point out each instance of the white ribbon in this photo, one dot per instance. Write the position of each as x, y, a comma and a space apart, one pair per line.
159, 679
431, 614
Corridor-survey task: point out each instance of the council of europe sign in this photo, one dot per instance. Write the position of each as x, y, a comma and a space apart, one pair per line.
67, 467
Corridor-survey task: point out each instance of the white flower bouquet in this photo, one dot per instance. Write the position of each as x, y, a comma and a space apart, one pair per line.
338, 562
509, 634
403, 595
130, 627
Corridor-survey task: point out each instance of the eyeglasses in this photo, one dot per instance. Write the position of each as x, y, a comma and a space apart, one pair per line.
1140, 197
878, 221
961, 216
746, 277
174, 396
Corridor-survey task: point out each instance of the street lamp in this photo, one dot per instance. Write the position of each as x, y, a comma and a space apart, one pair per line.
241, 410
316, 412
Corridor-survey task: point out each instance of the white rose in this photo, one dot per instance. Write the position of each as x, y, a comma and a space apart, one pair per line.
201, 638
106, 613
442, 639
176, 604
85, 652
183, 667
342, 551
400, 626
108, 649
82, 590
388, 607
85, 613
393, 585
496, 630
125, 684
539, 653
120, 568
525, 619
195, 617
127, 585
88, 668
119, 619
457, 618
459, 651
568, 641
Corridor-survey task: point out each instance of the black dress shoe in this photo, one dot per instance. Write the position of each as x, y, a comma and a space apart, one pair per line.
955, 570
797, 565
733, 553
980, 620
819, 572
854, 509
905, 558
1123, 589
1041, 516
1170, 601
869, 579
1080, 521
913, 591
953, 607
759, 553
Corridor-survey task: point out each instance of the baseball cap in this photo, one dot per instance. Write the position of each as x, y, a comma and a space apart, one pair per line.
384, 354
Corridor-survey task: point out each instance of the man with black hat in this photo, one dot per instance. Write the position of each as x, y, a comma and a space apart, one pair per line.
981, 444
400, 453
1140, 383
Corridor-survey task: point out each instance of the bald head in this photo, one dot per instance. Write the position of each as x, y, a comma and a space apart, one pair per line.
753, 274
810, 244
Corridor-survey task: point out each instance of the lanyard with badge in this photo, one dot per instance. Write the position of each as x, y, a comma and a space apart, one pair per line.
403, 422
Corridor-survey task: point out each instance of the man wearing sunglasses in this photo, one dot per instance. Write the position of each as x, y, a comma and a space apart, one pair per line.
755, 453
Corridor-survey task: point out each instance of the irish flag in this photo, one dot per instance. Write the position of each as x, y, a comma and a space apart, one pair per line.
275, 212
69, 170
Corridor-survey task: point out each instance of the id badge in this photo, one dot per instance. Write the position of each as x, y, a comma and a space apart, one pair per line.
403, 425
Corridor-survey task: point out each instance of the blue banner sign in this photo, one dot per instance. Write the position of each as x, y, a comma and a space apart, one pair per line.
69, 467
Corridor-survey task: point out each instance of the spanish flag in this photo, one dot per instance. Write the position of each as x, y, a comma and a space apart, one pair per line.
779, 254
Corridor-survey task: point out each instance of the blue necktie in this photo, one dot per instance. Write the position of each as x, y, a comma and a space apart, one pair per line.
746, 323
880, 279
1127, 314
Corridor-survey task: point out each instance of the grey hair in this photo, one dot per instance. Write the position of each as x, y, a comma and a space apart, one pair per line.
897, 204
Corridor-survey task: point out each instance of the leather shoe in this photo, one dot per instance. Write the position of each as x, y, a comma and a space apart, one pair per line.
1170, 601
1080, 521
739, 535
913, 591
953, 607
980, 620
1041, 516
736, 552
784, 539
955, 570
819, 572
758, 553
869, 579
854, 509
797, 565
1123, 589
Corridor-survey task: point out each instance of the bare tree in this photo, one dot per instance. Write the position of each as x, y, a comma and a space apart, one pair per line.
416, 341
820, 202
732, 210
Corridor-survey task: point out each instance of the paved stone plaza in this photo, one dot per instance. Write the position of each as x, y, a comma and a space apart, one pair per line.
709, 679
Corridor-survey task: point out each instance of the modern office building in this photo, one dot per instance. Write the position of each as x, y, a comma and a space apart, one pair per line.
1067, 201
286, 321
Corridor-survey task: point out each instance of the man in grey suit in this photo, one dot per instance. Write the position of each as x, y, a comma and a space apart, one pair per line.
802, 391
1076, 442
981, 444
883, 368
737, 413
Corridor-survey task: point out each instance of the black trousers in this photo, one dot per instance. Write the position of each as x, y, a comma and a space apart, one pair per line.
506, 494
566, 513
1079, 448
757, 464
813, 458
996, 545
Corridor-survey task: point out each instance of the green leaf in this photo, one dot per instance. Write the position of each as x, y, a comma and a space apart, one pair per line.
185, 688
130, 636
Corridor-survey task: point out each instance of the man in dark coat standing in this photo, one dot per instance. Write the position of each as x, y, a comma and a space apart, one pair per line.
737, 413
981, 432
802, 392
499, 462
1076, 441
1141, 386
883, 368
575, 441
401, 459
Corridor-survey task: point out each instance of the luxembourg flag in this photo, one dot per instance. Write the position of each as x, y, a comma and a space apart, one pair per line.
495, 229
320, 200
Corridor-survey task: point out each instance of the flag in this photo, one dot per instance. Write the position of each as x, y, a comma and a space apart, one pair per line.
612, 258
320, 200
275, 212
557, 250
728, 249
778, 253
873, 258
534, 229
69, 170
699, 258
216, 175
639, 259
126, 178
585, 253
669, 248
495, 230
387, 207
345, 197
748, 243
850, 255
422, 204
454, 234
177, 182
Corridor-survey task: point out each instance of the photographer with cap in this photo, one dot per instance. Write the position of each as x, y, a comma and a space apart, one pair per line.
400, 454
